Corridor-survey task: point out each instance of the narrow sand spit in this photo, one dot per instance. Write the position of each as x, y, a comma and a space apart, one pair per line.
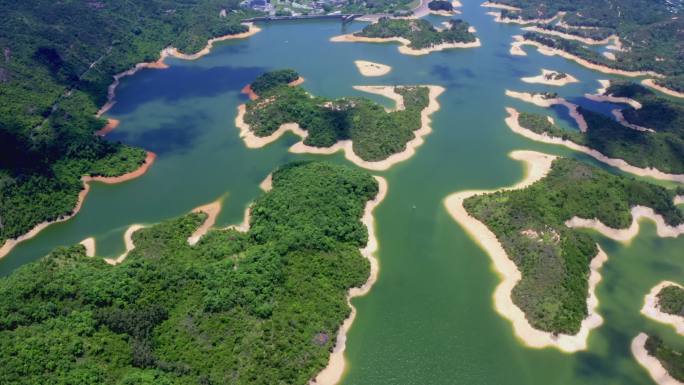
386, 91
489, 4
548, 51
540, 101
601, 96
617, 113
332, 373
507, 20
538, 166
128, 240
166, 52
267, 184
516, 46
89, 244
679, 200
404, 47
652, 84
609, 56
625, 235
11, 243
369, 68
253, 141
652, 310
109, 127
655, 369
512, 122
212, 210
542, 79
612, 38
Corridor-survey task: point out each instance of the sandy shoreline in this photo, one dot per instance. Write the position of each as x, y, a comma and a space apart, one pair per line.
548, 51
128, 240
404, 47
507, 20
267, 184
612, 38
370, 69
212, 210
601, 96
109, 127
652, 84
539, 101
655, 369
541, 79
333, 372
512, 122
247, 90
490, 4
386, 91
651, 308
11, 243
538, 166
253, 141
89, 245
167, 52
617, 113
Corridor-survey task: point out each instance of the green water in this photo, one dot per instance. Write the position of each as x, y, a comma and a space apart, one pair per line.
429, 319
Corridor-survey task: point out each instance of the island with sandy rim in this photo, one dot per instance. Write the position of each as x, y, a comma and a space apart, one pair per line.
665, 304
546, 99
376, 138
660, 360
371, 69
534, 252
551, 78
416, 36
619, 148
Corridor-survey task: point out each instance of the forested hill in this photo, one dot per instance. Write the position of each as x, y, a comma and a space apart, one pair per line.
56, 62
652, 31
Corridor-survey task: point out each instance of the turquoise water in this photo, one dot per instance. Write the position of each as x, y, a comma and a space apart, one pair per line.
429, 319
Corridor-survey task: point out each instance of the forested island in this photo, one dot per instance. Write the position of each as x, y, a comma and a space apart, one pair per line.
671, 300
664, 362
650, 32
661, 148
54, 76
261, 307
417, 36
554, 259
374, 132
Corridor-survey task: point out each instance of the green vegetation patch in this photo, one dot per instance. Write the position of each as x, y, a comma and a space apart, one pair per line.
269, 80
375, 133
421, 33
663, 149
554, 259
261, 307
440, 5
658, 113
671, 300
671, 359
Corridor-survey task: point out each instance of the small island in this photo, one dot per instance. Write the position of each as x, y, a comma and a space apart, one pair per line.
664, 363
371, 69
548, 289
172, 313
443, 7
417, 36
665, 304
370, 135
551, 78
548, 99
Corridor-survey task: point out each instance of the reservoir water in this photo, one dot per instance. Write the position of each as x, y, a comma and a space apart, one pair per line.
429, 319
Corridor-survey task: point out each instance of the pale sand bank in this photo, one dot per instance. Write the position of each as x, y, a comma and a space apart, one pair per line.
212, 211
601, 96
612, 38
516, 46
489, 4
609, 56
159, 64
404, 47
247, 90
253, 141
386, 91
540, 101
617, 113
655, 369
652, 84
548, 51
512, 122
11, 243
651, 308
679, 200
538, 166
128, 240
89, 245
267, 184
109, 127
542, 79
506, 20
333, 372
369, 68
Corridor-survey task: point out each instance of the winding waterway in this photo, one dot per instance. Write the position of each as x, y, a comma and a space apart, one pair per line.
429, 319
